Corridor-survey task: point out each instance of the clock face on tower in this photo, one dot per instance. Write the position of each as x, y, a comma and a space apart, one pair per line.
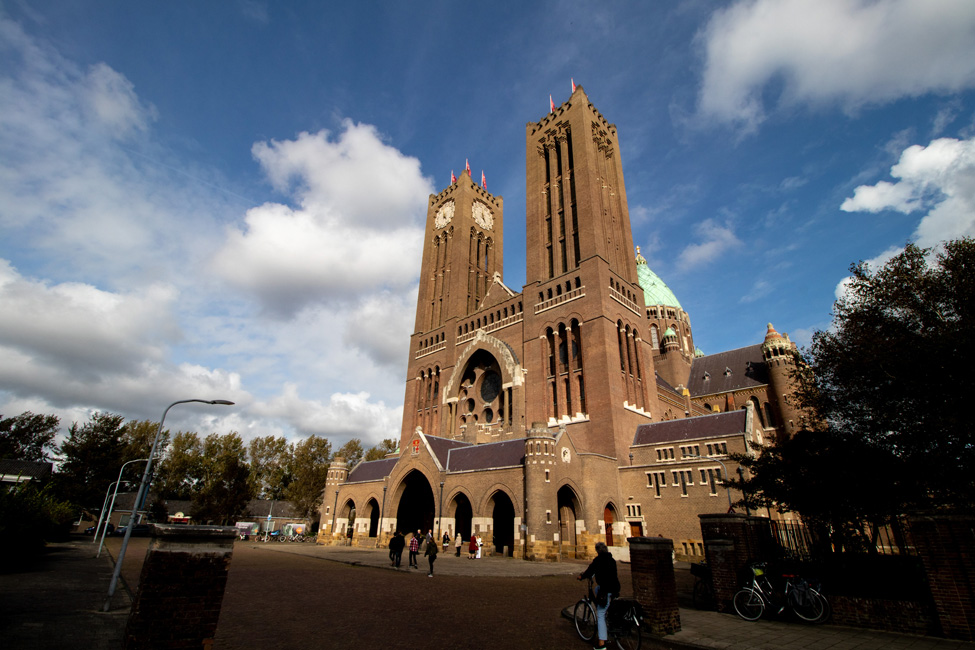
444, 215
482, 215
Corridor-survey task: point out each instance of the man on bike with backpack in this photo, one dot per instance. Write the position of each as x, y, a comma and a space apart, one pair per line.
603, 567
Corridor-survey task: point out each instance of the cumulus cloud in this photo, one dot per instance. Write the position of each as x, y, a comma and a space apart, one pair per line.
343, 416
845, 52
711, 241
356, 226
939, 179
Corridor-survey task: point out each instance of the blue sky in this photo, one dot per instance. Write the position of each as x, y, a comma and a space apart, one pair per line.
226, 200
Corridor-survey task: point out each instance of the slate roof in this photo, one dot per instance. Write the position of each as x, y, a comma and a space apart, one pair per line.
372, 470
747, 367
12, 469
441, 447
703, 426
494, 455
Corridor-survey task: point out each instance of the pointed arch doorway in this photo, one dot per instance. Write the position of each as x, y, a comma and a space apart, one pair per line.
568, 507
503, 523
417, 508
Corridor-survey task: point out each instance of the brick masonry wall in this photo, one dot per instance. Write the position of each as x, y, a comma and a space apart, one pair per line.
654, 584
181, 588
946, 544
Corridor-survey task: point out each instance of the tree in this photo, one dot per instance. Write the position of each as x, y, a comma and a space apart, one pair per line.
379, 452
311, 462
271, 462
352, 452
888, 385
28, 436
92, 455
222, 489
138, 436
180, 469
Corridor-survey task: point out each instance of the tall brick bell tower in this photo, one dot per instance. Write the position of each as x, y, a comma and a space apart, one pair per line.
581, 274
462, 253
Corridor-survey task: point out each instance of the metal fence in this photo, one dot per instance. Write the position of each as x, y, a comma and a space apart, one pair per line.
797, 540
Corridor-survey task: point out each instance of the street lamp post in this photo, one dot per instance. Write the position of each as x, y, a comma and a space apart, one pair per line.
101, 515
334, 506
112, 505
143, 489
440, 515
381, 509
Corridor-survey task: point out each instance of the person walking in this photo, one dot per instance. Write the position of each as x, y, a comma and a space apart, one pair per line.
396, 548
446, 541
458, 543
472, 547
414, 549
479, 545
431, 553
603, 567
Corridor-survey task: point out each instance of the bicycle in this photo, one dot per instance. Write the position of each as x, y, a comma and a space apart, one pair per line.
799, 597
703, 596
624, 620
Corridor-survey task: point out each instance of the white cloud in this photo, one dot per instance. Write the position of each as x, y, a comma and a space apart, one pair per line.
759, 290
357, 227
846, 52
939, 178
711, 241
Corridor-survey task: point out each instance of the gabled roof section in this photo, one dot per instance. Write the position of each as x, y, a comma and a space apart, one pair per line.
13, 470
496, 294
494, 455
441, 447
704, 426
372, 470
663, 385
727, 371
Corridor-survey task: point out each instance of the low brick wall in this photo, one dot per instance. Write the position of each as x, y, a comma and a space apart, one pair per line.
181, 588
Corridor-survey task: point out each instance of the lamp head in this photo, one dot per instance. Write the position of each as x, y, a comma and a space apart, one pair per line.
222, 402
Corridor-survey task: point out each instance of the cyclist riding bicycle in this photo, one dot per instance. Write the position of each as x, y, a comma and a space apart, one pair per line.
603, 567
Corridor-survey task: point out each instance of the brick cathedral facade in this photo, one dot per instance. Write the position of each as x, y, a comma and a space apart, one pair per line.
575, 411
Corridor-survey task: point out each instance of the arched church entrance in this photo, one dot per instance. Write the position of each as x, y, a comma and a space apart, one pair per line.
568, 507
463, 515
373, 517
503, 515
609, 516
416, 508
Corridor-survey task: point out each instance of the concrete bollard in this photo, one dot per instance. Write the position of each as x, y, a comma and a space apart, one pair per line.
181, 588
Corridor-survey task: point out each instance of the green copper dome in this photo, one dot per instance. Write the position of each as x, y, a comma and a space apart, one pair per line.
655, 292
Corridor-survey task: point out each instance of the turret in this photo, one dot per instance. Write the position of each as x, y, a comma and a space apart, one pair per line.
780, 355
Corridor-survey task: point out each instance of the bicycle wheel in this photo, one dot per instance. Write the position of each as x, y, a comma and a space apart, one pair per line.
703, 595
807, 604
585, 618
749, 604
631, 638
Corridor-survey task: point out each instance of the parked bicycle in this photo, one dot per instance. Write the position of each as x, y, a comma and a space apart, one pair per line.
624, 620
704, 597
795, 595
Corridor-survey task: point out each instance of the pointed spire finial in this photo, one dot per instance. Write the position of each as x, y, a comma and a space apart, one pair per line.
573, 84
551, 104
453, 179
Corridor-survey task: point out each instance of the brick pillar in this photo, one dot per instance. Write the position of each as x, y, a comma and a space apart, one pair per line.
721, 558
183, 579
654, 585
946, 544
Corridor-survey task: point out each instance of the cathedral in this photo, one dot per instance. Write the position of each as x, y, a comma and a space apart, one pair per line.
575, 411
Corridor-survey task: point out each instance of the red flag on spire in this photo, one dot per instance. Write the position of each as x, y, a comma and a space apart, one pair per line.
483, 180
551, 105
453, 179
467, 163
573, 84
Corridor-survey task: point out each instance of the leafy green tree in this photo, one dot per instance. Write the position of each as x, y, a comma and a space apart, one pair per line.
888, 384
352, 452
138, 436
180, 468
30, 515
223, 489
271, 462
92, 455
28, 436
379, 452
311, 462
